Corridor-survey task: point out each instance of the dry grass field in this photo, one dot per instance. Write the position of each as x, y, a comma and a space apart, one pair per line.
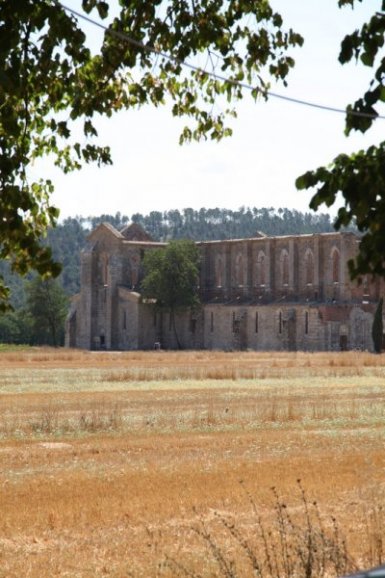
187, 464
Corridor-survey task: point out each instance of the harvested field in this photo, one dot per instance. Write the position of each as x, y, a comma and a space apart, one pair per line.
137, 464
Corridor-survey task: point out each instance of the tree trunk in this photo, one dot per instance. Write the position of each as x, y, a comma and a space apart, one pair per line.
377, 328
172, 313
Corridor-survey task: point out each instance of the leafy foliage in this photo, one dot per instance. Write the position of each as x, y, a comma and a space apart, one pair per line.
66, 241
51, 84
212, 224
47, 309
360, 177
15, 327
171, 277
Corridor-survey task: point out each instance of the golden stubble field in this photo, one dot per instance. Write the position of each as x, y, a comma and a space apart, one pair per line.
187, 464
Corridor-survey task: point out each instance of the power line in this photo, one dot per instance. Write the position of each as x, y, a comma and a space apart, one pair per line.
151, 49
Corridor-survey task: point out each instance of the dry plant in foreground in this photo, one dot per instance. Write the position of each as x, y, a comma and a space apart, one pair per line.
293, 542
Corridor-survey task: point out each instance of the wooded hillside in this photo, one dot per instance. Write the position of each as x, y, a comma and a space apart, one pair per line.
69, 237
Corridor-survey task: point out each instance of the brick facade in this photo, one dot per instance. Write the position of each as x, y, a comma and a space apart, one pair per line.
266, 293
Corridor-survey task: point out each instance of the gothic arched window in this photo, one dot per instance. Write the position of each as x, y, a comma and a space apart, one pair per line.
239, 273
219, 272
285, 267
261, 268
104, 263
335, 259
309, 267
134, 270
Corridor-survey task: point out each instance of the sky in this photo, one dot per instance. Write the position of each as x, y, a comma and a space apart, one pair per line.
272, 142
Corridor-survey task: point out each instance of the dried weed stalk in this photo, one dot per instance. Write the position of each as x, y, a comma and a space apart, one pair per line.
294, 543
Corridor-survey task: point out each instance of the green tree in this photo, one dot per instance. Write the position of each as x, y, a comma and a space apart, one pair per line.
66, 241
15, 327
47, 306
52, 83
377, 327
171, 278
360, 177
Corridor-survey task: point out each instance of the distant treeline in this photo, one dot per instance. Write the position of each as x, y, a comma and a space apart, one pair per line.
69, 237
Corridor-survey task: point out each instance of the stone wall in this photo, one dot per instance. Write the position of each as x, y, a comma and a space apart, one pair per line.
279, 293
294, 268
285, 328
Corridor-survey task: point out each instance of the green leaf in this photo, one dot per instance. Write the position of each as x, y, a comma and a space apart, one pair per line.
50, 80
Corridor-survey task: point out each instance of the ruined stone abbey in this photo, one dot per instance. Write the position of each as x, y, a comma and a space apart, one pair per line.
265, 293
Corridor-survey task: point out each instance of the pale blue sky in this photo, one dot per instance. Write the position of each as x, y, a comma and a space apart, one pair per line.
272, 143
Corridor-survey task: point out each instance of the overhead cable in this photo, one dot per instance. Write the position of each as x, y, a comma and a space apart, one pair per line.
126, 38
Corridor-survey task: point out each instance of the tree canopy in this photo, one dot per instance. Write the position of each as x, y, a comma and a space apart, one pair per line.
47, 306
171, 277
39, 319
359, 177
52, 83
196, 55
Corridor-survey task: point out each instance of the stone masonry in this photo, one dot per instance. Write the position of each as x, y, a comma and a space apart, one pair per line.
265, 293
